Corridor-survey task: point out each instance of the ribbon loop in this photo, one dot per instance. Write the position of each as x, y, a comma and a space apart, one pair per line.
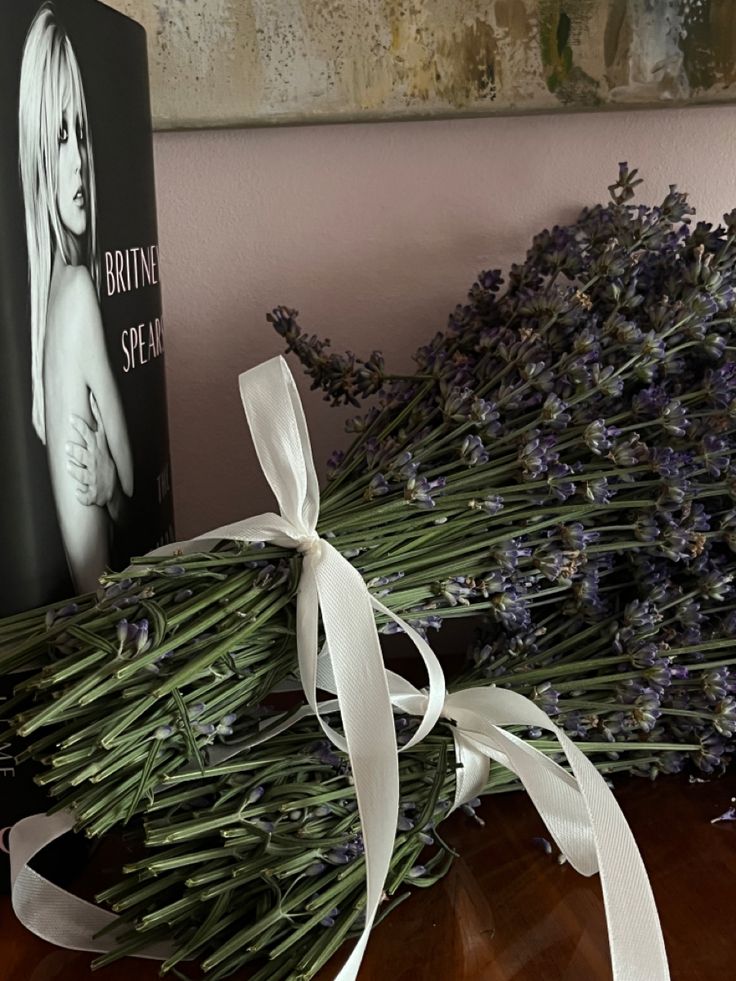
281, 440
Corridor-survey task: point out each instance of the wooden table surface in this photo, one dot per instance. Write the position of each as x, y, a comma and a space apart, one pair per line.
507, 910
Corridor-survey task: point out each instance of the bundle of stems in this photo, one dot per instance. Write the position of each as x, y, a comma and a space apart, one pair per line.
259, 861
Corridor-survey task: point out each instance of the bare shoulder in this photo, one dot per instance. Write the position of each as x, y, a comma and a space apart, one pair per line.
75, 306
75, 292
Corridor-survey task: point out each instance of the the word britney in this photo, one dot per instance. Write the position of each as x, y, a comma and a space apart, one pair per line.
131, 269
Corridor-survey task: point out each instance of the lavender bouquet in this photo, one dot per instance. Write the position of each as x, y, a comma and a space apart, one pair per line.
560, 464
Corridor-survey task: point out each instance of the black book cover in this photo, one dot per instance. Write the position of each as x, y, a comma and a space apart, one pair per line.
83, 431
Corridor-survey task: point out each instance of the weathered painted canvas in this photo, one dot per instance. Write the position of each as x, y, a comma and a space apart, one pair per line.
266, 62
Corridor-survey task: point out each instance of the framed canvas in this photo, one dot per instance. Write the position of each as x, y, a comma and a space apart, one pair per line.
271, 62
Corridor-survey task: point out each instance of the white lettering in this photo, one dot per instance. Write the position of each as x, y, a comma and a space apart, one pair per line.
142, 343
109, 274
131, 269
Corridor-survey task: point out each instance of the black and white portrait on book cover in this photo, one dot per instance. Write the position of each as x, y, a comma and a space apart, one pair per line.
85, 478
82, 366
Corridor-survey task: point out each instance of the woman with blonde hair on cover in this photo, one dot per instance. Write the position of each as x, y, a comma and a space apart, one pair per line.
77, 411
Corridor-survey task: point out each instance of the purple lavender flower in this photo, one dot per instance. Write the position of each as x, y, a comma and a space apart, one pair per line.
485, 414
574, 724
547, 698
473, 452
639, 615
470, 808
491, 504
597, 437
728, 815
645, 711
536, 455
255, 795
659, 676
553, 564
330, 918
554, 412
420, 491
716, 585
457, 591
377, 487
675, 544
628, 452
724, 716
712, 755
575, 537
457, 405
674, 418
510, 609
715, 454
559, 487
720, 384
606, 381
598, 491
717, 683
323, 753
225, 726
334, 461
509, 554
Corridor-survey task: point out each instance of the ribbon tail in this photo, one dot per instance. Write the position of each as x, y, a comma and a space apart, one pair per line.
436, 689
584, 818
362, 690
634, 931
51, 912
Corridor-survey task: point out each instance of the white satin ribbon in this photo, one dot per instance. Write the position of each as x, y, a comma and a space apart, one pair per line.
50, 911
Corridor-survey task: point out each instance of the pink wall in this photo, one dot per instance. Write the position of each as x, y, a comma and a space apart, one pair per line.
374, 232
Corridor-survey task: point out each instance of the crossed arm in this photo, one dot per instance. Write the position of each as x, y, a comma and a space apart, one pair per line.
91, 465
99, 457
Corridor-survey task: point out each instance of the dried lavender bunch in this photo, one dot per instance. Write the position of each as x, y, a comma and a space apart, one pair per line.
598, 382
595, 392
259, 861
262, 855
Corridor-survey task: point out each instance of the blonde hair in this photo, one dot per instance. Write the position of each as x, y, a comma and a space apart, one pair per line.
48, 63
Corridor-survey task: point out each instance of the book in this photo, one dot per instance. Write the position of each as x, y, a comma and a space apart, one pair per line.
86, 479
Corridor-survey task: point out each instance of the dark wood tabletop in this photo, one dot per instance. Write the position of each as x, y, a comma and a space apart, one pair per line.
507, 910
